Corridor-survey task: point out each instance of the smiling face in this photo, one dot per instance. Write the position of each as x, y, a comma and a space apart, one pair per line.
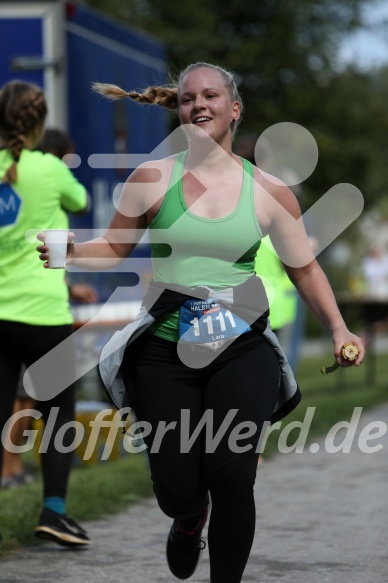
204, 100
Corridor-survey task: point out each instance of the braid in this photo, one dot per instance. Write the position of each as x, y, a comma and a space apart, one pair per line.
22, 108
15, 143
110, 91
33, 111
164, 96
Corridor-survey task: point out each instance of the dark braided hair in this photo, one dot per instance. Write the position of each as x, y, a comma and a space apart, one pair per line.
22, 107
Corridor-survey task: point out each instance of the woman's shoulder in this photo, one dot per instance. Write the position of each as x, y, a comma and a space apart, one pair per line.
272, 199
154, 170
147, 169
34, 163
38, 159
268, 181
268, 184
147, 185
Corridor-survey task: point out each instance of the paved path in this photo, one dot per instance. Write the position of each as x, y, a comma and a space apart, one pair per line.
321, 518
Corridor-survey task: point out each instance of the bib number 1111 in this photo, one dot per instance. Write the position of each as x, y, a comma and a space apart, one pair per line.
208, 322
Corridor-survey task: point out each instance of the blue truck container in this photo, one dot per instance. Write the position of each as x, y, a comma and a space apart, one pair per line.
64, 47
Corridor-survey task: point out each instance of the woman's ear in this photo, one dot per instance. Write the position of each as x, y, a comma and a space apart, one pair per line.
236, 110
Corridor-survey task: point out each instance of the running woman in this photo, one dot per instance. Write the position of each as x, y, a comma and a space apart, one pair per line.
201, 348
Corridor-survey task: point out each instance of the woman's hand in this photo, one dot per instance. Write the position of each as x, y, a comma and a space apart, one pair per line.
44, 250
341, 338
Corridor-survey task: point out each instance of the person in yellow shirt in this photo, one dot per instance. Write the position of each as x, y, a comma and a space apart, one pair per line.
282, 295
57, 142
34, 306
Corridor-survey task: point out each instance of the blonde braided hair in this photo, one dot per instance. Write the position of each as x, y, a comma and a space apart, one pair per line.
167, 95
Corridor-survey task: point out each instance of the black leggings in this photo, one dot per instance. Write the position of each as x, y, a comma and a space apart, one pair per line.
244, 380
24, 344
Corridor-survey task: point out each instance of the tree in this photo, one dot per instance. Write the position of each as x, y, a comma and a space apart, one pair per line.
284, 56
269, 44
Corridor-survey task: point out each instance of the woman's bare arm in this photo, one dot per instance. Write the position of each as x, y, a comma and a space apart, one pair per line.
126, 228
288, 235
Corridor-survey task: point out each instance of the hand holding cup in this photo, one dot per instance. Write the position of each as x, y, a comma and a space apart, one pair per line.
57, 247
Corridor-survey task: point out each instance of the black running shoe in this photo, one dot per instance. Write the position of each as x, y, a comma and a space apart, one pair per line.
184, 549
60, 529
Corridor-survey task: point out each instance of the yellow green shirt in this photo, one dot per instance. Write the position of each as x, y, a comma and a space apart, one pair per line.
281, 292
44, 187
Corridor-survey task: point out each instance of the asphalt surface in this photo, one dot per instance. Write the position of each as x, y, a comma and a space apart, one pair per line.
321, 518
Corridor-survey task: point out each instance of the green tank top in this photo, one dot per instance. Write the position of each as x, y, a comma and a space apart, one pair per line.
191, 251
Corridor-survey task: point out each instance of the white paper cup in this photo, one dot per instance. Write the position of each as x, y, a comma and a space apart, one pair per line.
56, 241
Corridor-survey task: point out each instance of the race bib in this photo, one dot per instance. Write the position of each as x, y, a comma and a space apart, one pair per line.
207, 323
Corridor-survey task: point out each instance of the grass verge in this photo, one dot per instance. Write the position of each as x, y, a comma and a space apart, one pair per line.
94, 491
334, 396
